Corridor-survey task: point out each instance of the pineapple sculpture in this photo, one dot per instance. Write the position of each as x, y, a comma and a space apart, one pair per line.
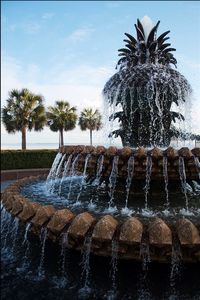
144, 89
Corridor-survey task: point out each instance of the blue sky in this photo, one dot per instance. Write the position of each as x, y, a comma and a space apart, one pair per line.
68, 50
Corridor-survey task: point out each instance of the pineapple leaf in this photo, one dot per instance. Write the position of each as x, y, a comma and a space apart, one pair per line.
140, 35
163, 46
139, 24
161, 37
133, 40
152, 33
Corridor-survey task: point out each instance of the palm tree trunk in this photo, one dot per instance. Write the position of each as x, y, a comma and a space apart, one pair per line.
90, 137
23, 138
61, 138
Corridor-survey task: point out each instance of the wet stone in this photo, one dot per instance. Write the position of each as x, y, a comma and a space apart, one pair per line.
17, 206
187, 232
131, 231
29, 210
105, 228
81, 224
43, 214
159, 233
59, 220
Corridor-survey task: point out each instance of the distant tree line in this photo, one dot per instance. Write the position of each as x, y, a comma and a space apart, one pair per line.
25, 111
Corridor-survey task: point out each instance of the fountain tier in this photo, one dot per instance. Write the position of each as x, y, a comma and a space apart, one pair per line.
131, 235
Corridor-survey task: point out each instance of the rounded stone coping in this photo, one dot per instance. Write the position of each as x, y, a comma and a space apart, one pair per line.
16, 174
140, 152
132, 234
141, 155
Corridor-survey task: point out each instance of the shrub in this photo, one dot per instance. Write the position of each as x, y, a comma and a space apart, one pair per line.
27, 159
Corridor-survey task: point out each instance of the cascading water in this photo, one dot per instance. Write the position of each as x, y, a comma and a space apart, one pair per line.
165, 175
57, 174
64, 245
99, 169
65, 172
145, 90
15, 227
148, 179
86, 264
130, 172
28, 226
114, 261
43, 237
183, 181
83, 178
72, 173
113, 179
52, 172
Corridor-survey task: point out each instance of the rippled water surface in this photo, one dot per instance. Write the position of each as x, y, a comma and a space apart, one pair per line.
36, 268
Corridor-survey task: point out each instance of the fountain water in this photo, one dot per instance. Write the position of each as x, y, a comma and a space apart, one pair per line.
43, 237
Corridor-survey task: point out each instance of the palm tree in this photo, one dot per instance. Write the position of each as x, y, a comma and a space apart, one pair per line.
24, 111
91, 120
61, 117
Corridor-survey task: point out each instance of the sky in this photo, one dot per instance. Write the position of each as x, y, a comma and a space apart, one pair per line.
68, 50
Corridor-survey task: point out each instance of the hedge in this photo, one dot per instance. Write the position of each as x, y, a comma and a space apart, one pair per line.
27, 159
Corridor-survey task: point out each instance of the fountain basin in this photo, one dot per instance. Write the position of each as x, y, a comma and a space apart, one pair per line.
132, 234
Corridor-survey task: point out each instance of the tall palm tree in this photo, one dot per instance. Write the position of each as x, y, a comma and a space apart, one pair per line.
61, 117
91, 120
24, 111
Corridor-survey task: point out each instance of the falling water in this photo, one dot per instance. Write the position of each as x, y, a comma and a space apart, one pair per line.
148, 178
175, 265
52, 172
28, 226
83, 178
54, 166
145, 254
64, 244
43, 237
57, 174
113, 179
72, 173
25, 259
129, 178
65, 172
13, 238
8, 222
183, 180
114, 260
99, 169
86, 262
165, 175
4, 217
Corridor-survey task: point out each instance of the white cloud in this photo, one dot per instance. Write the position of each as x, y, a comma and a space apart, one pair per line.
48, 15
31, 27
80, 34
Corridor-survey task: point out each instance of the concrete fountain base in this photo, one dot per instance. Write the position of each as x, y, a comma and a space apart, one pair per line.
132, 236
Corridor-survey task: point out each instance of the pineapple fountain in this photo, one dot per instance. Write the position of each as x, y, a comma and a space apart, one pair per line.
139, 202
